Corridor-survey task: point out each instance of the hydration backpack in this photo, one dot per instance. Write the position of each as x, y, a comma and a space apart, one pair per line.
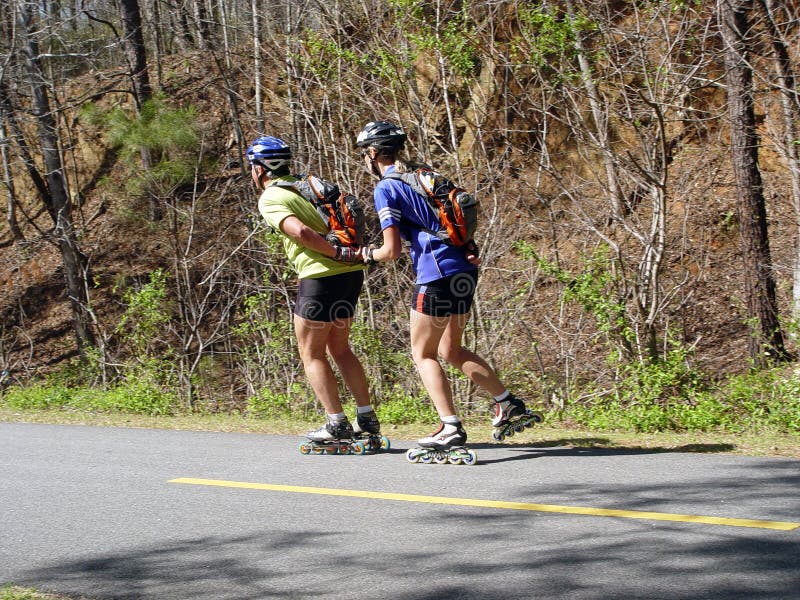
342, 212
456, 208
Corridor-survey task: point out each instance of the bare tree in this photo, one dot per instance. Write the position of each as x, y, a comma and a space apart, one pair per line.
256, 22
135, 51
786, 84
133, 42
766, 344
52, 187
8, 181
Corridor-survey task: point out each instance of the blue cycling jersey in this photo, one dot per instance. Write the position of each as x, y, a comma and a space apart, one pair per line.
399, 205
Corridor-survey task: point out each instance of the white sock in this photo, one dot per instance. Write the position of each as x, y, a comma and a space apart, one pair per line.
451, 420
337, 417
364, 409
502, 396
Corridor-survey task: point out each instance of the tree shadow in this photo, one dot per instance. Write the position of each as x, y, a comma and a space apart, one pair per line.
597, 446
488, 556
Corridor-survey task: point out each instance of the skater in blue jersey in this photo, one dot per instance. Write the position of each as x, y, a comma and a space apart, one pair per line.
331, 278
446, 278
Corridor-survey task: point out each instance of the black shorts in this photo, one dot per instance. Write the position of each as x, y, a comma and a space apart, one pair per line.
447, 296
329, 298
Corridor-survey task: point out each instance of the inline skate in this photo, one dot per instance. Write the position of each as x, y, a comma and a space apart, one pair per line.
445, 445
333, 438
367, 430
511, 416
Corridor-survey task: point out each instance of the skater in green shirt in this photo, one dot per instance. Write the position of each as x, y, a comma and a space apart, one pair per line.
331, 278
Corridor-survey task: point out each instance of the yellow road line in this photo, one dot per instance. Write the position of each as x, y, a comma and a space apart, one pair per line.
554, 508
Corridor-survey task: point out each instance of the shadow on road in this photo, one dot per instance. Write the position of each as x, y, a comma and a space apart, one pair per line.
271, 563
587, 447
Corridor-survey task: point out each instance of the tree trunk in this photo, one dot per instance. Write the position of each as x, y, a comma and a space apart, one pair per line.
57, 198
766, 342
259, 116
136, 54
156, 26
600, 117
11, 217
790, 104
135, 51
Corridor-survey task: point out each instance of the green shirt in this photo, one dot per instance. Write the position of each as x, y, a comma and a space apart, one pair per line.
275, 204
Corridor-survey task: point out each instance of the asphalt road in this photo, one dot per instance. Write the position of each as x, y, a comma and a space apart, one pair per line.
136, 513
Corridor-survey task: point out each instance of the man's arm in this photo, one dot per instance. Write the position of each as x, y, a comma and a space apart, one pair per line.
307, 237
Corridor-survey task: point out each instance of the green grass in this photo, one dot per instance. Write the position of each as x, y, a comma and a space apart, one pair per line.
761, 443
12, 592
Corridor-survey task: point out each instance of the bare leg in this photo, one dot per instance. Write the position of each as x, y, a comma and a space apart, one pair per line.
312, 339
352, 371
426, 333
466, 361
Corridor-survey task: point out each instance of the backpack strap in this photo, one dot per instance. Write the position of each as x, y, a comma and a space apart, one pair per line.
412, 181
289, 185
317, 193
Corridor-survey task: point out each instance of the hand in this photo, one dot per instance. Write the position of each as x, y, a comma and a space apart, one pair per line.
472, 253
349, 254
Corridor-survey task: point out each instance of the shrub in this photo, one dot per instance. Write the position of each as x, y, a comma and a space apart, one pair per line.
138, 397
399, 408
39, 396
268, 404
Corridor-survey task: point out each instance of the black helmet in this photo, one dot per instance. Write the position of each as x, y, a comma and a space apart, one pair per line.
382, 135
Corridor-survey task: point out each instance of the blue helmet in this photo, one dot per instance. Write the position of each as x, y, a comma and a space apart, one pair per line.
269, 152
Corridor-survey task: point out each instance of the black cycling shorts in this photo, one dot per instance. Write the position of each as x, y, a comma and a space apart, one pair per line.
447, 296
329, 298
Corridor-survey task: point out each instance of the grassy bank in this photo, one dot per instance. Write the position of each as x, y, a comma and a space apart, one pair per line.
762, 443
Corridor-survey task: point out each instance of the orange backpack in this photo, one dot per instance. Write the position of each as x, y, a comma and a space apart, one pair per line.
342, 212
456, 208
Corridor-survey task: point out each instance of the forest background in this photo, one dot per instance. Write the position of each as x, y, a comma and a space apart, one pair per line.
636, 163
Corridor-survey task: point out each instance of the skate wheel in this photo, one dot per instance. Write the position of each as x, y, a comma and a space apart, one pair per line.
471, 458
385, 443
317, 450
440, 458
359, 448
498, 436
519, 428
305, 448
426, 459
412, 456
455, 460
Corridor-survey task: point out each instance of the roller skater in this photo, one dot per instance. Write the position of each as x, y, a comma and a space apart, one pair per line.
511, 416
446, 272
328, 260
445, 445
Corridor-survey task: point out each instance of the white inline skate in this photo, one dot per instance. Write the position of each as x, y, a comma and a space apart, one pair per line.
445, 445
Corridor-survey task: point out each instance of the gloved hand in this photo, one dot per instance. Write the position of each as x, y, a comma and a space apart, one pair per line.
472, 253
368, 258
348, 254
